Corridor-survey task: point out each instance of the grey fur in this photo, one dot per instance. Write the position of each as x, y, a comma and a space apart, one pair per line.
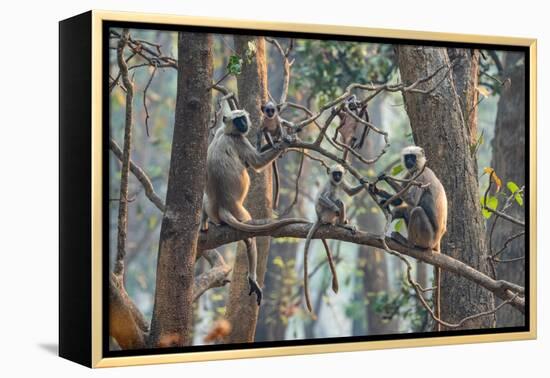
424, 210
229, 155
330, 210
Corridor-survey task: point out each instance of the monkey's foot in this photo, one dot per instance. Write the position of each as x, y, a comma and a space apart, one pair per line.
400, 239
350, 228
254, 288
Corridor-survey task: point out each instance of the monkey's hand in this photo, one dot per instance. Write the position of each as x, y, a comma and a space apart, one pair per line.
254, 288
351, 228
382, 177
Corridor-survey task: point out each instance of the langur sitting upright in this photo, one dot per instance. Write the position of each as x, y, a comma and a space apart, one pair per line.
424, 208
229, 155
330, 210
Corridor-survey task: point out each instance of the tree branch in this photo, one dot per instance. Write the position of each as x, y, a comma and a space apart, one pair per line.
220, 235
141, 176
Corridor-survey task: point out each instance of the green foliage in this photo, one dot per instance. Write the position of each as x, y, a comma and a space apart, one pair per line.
397, 169
329, 66
514, 189
398, 225
403, 304
235, 65
491, 203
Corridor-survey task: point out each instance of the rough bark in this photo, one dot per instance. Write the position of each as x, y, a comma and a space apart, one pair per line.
242, 310
508, 158
171, 324
465, 76
126, 323
438, 125
127, 147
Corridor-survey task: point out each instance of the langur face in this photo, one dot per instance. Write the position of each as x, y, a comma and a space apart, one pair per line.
241, 124
337, 176
410, 161
269, 110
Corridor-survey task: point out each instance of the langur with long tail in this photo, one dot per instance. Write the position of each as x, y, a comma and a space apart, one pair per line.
423, 207
229, 155
330, 210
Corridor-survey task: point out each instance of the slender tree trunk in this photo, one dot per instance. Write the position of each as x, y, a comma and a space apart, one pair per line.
508, 155
438, 125
273, 318
242, 310
171, 324
375, 277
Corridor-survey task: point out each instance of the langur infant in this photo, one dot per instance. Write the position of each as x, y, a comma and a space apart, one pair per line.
330, 211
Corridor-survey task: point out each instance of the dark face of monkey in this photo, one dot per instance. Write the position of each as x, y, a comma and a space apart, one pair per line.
269, 110
241, 124
352, 103
337, 176
410, 161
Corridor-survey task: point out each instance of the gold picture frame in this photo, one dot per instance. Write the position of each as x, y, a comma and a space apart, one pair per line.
93, 24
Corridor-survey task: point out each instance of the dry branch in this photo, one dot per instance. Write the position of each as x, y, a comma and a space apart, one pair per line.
220, 235
141, 176
125, 169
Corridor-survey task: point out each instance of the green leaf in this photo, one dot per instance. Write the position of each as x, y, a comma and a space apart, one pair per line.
278, 261
519, 199
512, 187
235, 64
492, 203
398, 225
397, 169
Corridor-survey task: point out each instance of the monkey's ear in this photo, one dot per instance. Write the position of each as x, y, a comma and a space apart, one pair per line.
279, 106
263, 108
225, 119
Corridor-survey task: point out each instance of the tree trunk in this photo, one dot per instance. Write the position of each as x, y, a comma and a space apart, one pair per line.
242, 310
438, 125
508, 154
465, 76
375, 278
171, 324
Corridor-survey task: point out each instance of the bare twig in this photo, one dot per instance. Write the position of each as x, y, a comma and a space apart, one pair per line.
141, 176
118, 269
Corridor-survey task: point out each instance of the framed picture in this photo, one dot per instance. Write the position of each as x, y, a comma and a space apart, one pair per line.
235, 189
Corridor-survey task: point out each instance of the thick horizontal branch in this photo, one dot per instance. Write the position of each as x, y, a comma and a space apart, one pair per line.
220, 235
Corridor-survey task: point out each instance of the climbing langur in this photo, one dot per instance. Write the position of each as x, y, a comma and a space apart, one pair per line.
229, 155
272, 129
424, 207
352, 131
330, 210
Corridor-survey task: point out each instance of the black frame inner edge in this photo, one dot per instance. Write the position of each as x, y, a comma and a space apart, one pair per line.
106, 25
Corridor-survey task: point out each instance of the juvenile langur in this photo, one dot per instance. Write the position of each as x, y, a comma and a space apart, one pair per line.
272, 129
330, 210
423, 208
349, 127
229, 155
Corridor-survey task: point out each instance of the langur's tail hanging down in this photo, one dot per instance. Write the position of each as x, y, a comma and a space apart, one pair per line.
310, 234
228, 218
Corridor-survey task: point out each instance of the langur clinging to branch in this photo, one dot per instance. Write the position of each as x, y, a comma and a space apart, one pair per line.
353, 132
422, 206
273, 129
330, 210
229, 155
